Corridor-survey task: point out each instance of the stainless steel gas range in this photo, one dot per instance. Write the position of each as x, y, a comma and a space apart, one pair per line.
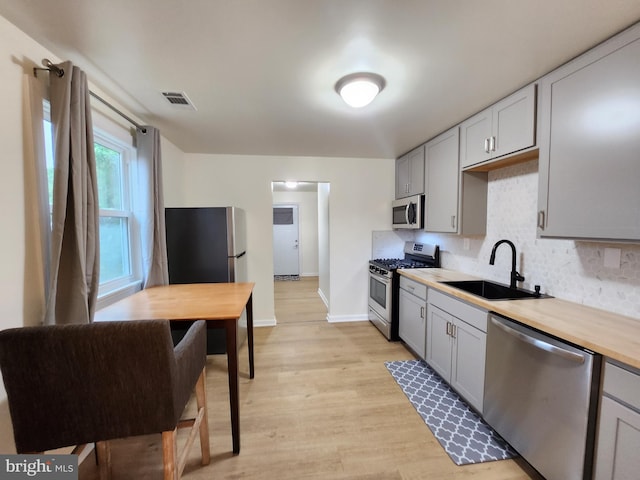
384, 284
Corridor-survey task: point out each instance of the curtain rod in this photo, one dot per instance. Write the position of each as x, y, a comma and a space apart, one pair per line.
49, 66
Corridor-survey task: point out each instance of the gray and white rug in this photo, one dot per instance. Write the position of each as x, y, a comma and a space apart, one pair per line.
462, 433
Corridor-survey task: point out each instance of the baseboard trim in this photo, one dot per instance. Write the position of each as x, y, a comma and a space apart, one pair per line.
347, 318
323, 298
265, 322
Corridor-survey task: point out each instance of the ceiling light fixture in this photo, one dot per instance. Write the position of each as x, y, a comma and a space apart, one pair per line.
359, 89
290, 184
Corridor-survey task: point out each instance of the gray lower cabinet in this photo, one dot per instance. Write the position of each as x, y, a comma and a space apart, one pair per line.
589, 142
456, 345
618, 443
412, 314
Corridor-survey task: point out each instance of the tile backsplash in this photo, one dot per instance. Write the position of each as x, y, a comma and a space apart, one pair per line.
568, 269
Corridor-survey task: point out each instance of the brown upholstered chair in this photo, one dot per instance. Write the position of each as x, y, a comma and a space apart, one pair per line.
78, 384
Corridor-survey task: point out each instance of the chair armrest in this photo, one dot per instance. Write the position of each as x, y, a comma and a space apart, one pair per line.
191, 357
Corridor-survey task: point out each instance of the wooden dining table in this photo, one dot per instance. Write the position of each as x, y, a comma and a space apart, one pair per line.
220, 304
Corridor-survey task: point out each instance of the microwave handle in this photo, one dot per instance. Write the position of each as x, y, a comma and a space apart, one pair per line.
410, 213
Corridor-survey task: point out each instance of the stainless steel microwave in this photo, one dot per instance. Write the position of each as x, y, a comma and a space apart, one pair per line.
408, 212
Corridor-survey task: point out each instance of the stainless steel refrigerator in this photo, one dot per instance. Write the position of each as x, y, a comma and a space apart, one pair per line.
207, 245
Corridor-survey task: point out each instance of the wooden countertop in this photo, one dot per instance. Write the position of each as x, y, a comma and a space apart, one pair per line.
612, 335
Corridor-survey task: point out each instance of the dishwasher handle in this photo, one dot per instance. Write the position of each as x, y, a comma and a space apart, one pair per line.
566, 354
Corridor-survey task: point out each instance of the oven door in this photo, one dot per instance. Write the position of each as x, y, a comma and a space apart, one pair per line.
380, 303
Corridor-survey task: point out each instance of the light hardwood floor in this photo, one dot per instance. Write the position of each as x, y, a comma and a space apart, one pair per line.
322, 405
298, 301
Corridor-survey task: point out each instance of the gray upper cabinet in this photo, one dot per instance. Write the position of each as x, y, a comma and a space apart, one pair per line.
410, 173
456, 202
589, 167
503, 129
441, 181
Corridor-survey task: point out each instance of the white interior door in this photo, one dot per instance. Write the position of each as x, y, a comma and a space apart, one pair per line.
286, 252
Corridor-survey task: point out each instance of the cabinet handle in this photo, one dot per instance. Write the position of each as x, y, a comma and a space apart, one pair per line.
492, 144
453, 221
449, 328
454, 330
541, 219
486, 145
421, 312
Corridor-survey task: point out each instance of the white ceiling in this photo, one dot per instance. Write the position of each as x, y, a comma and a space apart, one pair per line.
261, 73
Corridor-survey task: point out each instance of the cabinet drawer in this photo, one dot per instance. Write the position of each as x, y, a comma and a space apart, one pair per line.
413, 287
474, 316
622, 384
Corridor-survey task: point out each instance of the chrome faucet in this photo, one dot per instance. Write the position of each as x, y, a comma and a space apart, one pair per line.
515, 276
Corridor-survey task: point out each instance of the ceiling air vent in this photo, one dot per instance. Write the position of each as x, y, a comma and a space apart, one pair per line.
178, 99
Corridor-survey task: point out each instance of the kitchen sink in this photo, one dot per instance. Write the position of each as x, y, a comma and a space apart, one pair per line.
494, 291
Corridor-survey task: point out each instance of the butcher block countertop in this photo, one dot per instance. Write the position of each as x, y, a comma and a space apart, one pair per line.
612, 335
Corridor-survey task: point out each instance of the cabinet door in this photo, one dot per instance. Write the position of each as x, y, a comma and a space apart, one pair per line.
439, 341
441, 179
474, 136
416, 171
513, 122
412, 322
618, 442
410, 173
468, 363
590, 138
402, 176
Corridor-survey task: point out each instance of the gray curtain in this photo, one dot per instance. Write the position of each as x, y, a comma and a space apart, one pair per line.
75, 251
37, 213
150, 211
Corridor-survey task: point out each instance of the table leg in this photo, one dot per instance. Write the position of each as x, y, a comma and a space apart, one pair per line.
250, 334
231, 327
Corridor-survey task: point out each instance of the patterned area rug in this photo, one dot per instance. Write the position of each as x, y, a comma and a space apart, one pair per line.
284, 278
462, 433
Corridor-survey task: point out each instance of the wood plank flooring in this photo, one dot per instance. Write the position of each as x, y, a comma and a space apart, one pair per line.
298, 301
322, 405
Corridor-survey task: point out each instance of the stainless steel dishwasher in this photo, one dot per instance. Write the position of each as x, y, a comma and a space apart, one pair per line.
541, 397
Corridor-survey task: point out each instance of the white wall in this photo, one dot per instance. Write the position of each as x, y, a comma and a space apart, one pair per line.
324, 280
356, 210
307, 203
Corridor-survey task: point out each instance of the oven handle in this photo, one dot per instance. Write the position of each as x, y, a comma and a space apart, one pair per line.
547, 347
385, 280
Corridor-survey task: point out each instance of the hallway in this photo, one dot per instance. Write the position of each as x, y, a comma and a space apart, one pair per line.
298, 301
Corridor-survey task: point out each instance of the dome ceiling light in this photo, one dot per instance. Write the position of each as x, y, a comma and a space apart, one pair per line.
359, 89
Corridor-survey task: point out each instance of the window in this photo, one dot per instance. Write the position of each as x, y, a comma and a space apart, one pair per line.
116, 213
119, 252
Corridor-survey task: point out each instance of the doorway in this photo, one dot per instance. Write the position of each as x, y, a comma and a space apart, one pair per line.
312, 200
